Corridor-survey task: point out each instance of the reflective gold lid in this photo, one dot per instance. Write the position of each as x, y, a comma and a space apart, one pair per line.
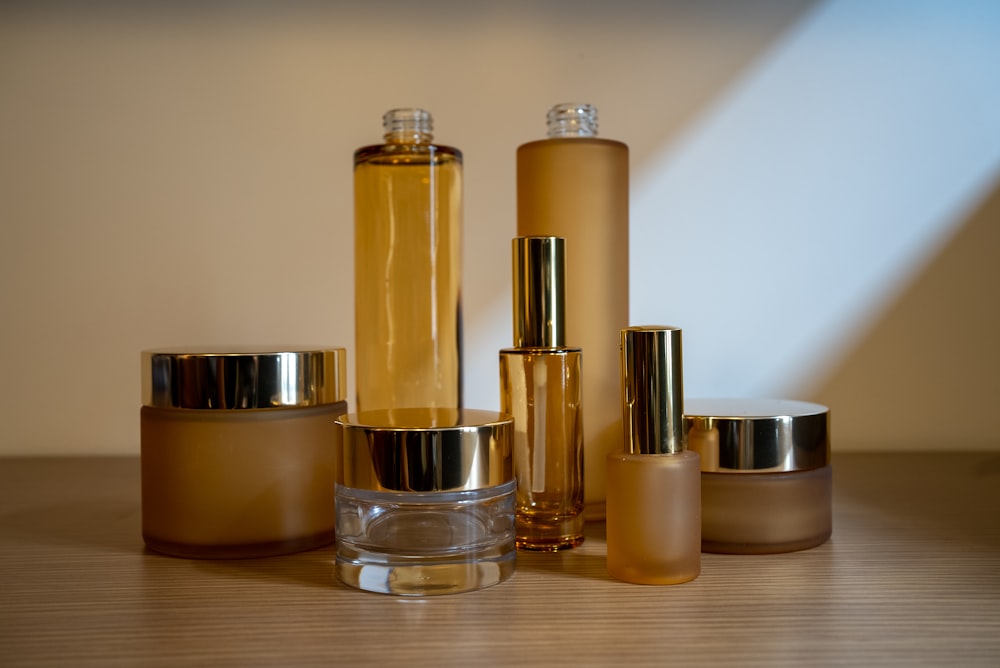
539, 292
652, 390
759, 435
243, 378
425, 450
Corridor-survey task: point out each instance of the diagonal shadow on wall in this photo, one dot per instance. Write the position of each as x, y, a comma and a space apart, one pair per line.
927, 374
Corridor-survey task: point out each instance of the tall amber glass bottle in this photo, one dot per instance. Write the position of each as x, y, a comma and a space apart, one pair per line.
407, 268
575, 185
540, 386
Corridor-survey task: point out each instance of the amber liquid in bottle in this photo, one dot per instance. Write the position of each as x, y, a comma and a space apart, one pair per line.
407, 275
575, 185
541, 388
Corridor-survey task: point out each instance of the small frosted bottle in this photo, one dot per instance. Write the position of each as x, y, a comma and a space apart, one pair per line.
574, 184
654, 487
540, 386
407, 268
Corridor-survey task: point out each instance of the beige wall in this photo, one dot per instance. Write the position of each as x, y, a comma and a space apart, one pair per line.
185, 179
927, 374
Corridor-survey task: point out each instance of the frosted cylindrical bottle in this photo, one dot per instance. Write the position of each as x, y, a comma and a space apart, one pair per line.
575, 185
407, 268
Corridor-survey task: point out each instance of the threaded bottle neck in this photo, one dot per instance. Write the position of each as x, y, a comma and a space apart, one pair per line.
572, 120
408, 126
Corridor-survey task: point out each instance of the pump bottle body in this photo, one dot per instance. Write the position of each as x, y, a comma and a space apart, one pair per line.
654, 517
542, 389
654, 486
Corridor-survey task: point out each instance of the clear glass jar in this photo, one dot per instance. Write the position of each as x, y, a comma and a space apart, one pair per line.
425, 501
421, 543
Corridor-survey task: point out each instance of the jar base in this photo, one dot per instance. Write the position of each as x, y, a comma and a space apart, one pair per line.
244, 551
424, 576
719, 547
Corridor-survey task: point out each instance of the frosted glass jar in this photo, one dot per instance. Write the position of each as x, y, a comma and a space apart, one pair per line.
237, 450
425, 500
766, 481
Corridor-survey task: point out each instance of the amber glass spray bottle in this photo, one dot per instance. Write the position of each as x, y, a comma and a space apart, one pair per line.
574, 184
407, 268
654, 487
540, 385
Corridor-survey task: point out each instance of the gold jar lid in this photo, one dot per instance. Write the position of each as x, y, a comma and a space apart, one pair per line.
243, 378
758, 435
425, 450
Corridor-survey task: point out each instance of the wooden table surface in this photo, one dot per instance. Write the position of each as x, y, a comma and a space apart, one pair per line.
911, 576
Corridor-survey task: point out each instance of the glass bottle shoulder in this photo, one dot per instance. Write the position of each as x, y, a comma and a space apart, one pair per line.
407, 154
561, 350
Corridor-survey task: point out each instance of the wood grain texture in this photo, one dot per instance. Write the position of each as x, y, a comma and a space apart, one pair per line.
911, 577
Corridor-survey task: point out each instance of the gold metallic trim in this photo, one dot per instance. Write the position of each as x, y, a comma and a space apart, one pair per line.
759, 435
652, 390
539, 273
233, 378
425, 450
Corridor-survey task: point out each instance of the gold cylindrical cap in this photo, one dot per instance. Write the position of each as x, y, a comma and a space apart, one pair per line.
243, 378
425, 450
761, 435
652, 390
539, 265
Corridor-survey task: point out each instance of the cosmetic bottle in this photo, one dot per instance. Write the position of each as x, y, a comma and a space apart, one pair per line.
407, 269
425, 500
654, 491
540, 386
574, 185
238, 449
766, 482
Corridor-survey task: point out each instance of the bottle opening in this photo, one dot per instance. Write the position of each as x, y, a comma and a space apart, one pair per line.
572, 120
408, 125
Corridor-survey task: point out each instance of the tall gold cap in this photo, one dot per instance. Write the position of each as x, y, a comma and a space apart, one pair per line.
652, 390
539, 287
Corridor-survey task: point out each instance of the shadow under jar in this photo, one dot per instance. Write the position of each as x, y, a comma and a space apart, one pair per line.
425, 500
766, 481
237, 450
